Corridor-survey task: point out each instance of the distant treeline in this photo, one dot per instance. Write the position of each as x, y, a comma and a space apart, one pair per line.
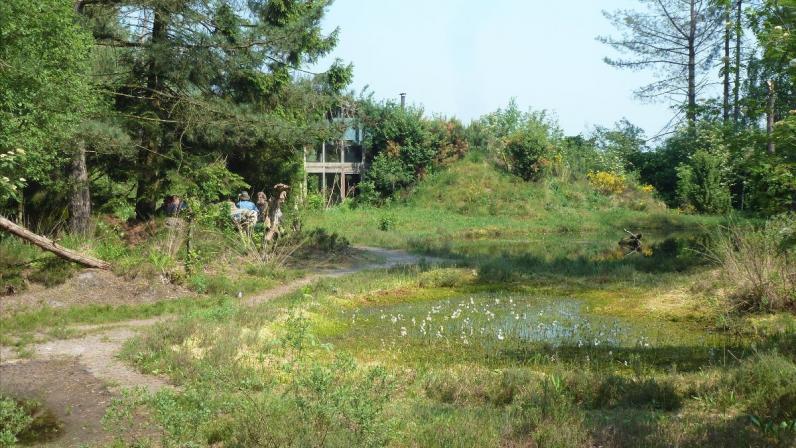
109, 105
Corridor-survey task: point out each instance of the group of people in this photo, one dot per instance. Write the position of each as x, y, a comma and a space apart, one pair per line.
248, 214
244, 213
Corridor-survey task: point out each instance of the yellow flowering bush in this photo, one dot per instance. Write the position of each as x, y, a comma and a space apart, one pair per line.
607, 183
647, 188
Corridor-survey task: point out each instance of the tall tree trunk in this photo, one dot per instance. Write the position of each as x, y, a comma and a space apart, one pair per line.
772, 98
736, 92
147, 173
80, 197
727, 38
691, 111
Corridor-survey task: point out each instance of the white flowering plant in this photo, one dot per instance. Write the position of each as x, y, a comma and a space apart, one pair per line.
11, 181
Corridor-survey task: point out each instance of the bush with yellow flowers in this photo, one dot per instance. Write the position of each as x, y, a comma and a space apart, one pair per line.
647, 188
607, 183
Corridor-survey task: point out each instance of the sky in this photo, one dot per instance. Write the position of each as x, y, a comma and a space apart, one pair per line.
465, 58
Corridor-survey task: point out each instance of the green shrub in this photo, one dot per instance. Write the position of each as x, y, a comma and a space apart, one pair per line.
221, 284
198, 283
767, 383
321, 240
13, 421
388, 174
759, 264
25, 422
315, 201
386, 223
366, 194
443, 278
702, 183
120, 208
529, 150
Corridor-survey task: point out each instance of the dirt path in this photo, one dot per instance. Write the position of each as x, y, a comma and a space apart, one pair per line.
75, 377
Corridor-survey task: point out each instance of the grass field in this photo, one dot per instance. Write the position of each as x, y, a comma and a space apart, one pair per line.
539, 331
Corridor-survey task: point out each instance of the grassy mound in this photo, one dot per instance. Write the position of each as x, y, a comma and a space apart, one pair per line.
475, 187
472, 200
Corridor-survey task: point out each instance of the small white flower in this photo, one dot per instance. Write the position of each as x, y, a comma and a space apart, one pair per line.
500, 335
22, 179
403, 332
20, 151
5, 179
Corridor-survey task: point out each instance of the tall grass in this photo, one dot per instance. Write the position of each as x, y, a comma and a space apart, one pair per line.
759, 264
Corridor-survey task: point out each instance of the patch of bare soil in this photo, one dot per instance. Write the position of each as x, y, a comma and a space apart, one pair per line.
94, 286
76, 398
77, 378
96, 352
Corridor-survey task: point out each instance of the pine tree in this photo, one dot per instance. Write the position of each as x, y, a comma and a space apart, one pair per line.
204, 80
676, 37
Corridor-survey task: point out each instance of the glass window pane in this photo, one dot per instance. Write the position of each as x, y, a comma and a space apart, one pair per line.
353, 152
315, 153
332, 152
351, 134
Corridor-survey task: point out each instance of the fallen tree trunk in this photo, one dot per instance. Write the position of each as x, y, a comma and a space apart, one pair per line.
49, 245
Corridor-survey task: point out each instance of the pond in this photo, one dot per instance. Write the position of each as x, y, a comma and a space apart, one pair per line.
497, 319
523, 311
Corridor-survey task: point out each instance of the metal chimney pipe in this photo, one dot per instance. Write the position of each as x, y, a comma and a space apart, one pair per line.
403, 100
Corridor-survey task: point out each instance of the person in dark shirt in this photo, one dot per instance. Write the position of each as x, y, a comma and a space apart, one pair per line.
172, 205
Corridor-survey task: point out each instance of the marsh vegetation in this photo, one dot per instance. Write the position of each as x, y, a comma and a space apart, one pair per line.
529, 334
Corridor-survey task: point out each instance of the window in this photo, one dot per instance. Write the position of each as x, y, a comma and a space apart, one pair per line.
353, 152
315, 154
332, 152
353, 134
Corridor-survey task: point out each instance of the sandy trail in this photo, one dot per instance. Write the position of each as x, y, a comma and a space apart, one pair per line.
77, 378
97, 350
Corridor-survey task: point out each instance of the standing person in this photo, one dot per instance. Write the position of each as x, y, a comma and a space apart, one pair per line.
275, 210
262, 209
245, 203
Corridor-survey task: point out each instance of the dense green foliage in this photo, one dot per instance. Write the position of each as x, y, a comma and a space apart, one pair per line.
45, 92
404, 146
193, 89
722, 150
13, 421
